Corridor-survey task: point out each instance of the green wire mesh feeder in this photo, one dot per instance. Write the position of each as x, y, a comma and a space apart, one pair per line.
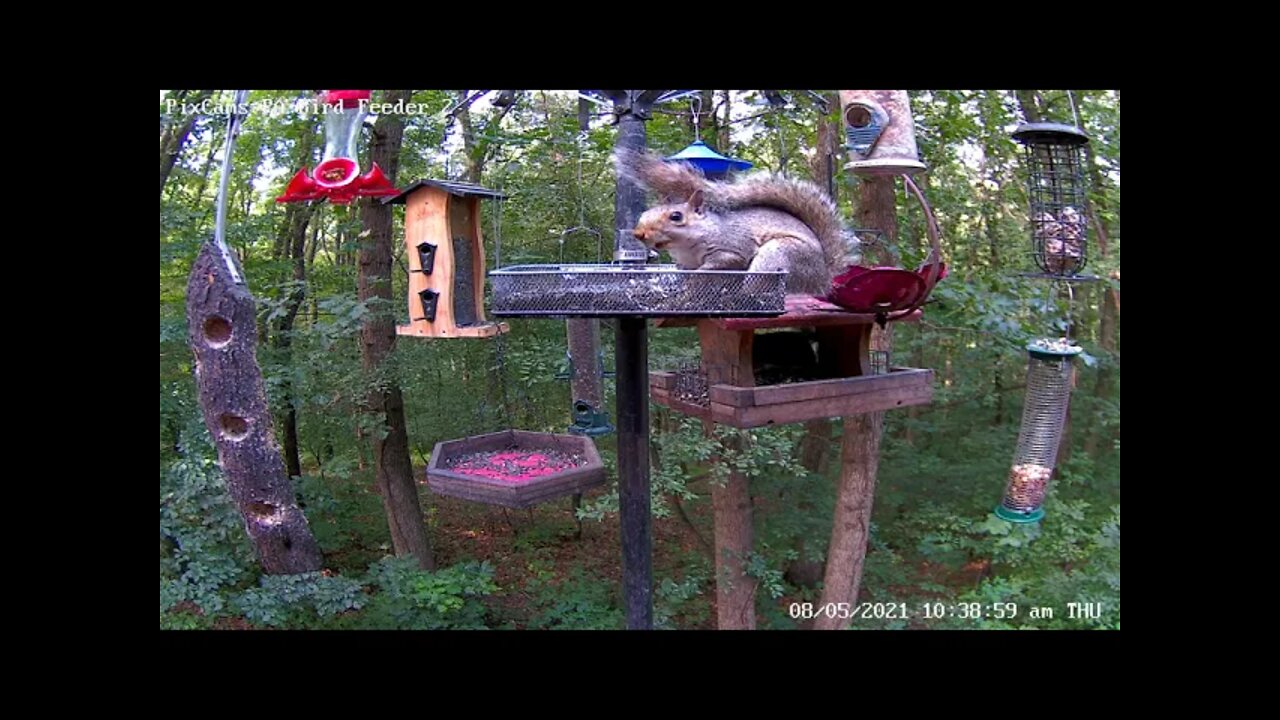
1043, 416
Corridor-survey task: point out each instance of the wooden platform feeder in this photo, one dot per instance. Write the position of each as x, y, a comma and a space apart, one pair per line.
514, 468
446, 260
844, 382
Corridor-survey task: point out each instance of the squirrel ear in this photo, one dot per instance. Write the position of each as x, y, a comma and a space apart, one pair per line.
695, 201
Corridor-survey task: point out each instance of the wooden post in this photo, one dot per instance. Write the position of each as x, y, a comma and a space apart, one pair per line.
726, 358
220, 319
860, 449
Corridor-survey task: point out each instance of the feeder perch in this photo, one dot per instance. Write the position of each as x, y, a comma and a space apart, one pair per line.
711, 163
1057, 196
337, 178
819, 366
879, 132
445, 250
514, 468
1043, 416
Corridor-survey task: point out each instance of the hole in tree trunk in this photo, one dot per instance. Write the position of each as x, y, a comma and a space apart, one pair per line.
857, 116
267, 514
234, 427
217, 332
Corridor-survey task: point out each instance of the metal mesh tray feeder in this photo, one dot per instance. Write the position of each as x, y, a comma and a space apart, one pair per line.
514, 468
1043, 416
635, 290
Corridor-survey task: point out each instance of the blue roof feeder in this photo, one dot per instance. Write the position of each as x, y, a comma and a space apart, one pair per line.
710, 162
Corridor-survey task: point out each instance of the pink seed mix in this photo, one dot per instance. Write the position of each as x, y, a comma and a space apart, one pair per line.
513, 466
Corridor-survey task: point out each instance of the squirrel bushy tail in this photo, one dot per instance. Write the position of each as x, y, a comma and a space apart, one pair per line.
676, 181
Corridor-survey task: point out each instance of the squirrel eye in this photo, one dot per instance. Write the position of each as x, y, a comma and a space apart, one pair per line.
677, 217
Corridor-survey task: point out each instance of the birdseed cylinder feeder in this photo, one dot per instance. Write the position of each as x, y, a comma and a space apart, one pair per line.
586, 378
1053, 154
879, 132
1044, 415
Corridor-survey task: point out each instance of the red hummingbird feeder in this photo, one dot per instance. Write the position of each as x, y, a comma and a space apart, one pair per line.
886, 289
337, 178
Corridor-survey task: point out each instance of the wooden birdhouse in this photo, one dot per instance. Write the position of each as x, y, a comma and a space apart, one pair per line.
445, 251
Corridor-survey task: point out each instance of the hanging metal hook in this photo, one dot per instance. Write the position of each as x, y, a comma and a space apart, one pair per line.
220, 224
695, 109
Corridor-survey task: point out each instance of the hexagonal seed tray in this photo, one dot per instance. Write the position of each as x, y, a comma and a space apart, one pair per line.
514, 492
635, 291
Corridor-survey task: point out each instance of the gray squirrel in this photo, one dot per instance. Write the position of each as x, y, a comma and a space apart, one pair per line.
761, 221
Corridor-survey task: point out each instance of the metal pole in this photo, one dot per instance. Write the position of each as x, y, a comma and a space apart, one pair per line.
633, 386
633, 472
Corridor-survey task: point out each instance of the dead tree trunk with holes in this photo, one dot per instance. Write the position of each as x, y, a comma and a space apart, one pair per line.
860, 448
220, 317
392, 466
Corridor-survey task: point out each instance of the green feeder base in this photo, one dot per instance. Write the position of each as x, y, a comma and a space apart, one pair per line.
1014, 516
589, 421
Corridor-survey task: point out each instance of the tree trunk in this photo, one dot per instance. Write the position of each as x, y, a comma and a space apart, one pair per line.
859, 462
174, 134
220, 318
392, 465
471, 172
734, 531
1107, 339
293, 237
297, 219
827, 146
860, 447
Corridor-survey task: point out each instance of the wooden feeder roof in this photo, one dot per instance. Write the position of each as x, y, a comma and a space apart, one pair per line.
452, 187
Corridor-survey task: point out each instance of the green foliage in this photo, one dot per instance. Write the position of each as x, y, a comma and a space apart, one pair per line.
203, 547
684, 599
305, 600
413, 599
580, 602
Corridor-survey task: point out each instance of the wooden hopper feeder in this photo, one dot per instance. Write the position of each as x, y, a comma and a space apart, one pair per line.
514, 468
446, 260
843, 382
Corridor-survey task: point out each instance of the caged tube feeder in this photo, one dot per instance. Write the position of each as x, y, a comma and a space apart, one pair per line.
1044, 414
1057, 196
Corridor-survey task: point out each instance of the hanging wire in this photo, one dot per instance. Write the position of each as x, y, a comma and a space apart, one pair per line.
220, 224
499, 344
695, 109
1074, 114
1071, 297
582, 226
497, 225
